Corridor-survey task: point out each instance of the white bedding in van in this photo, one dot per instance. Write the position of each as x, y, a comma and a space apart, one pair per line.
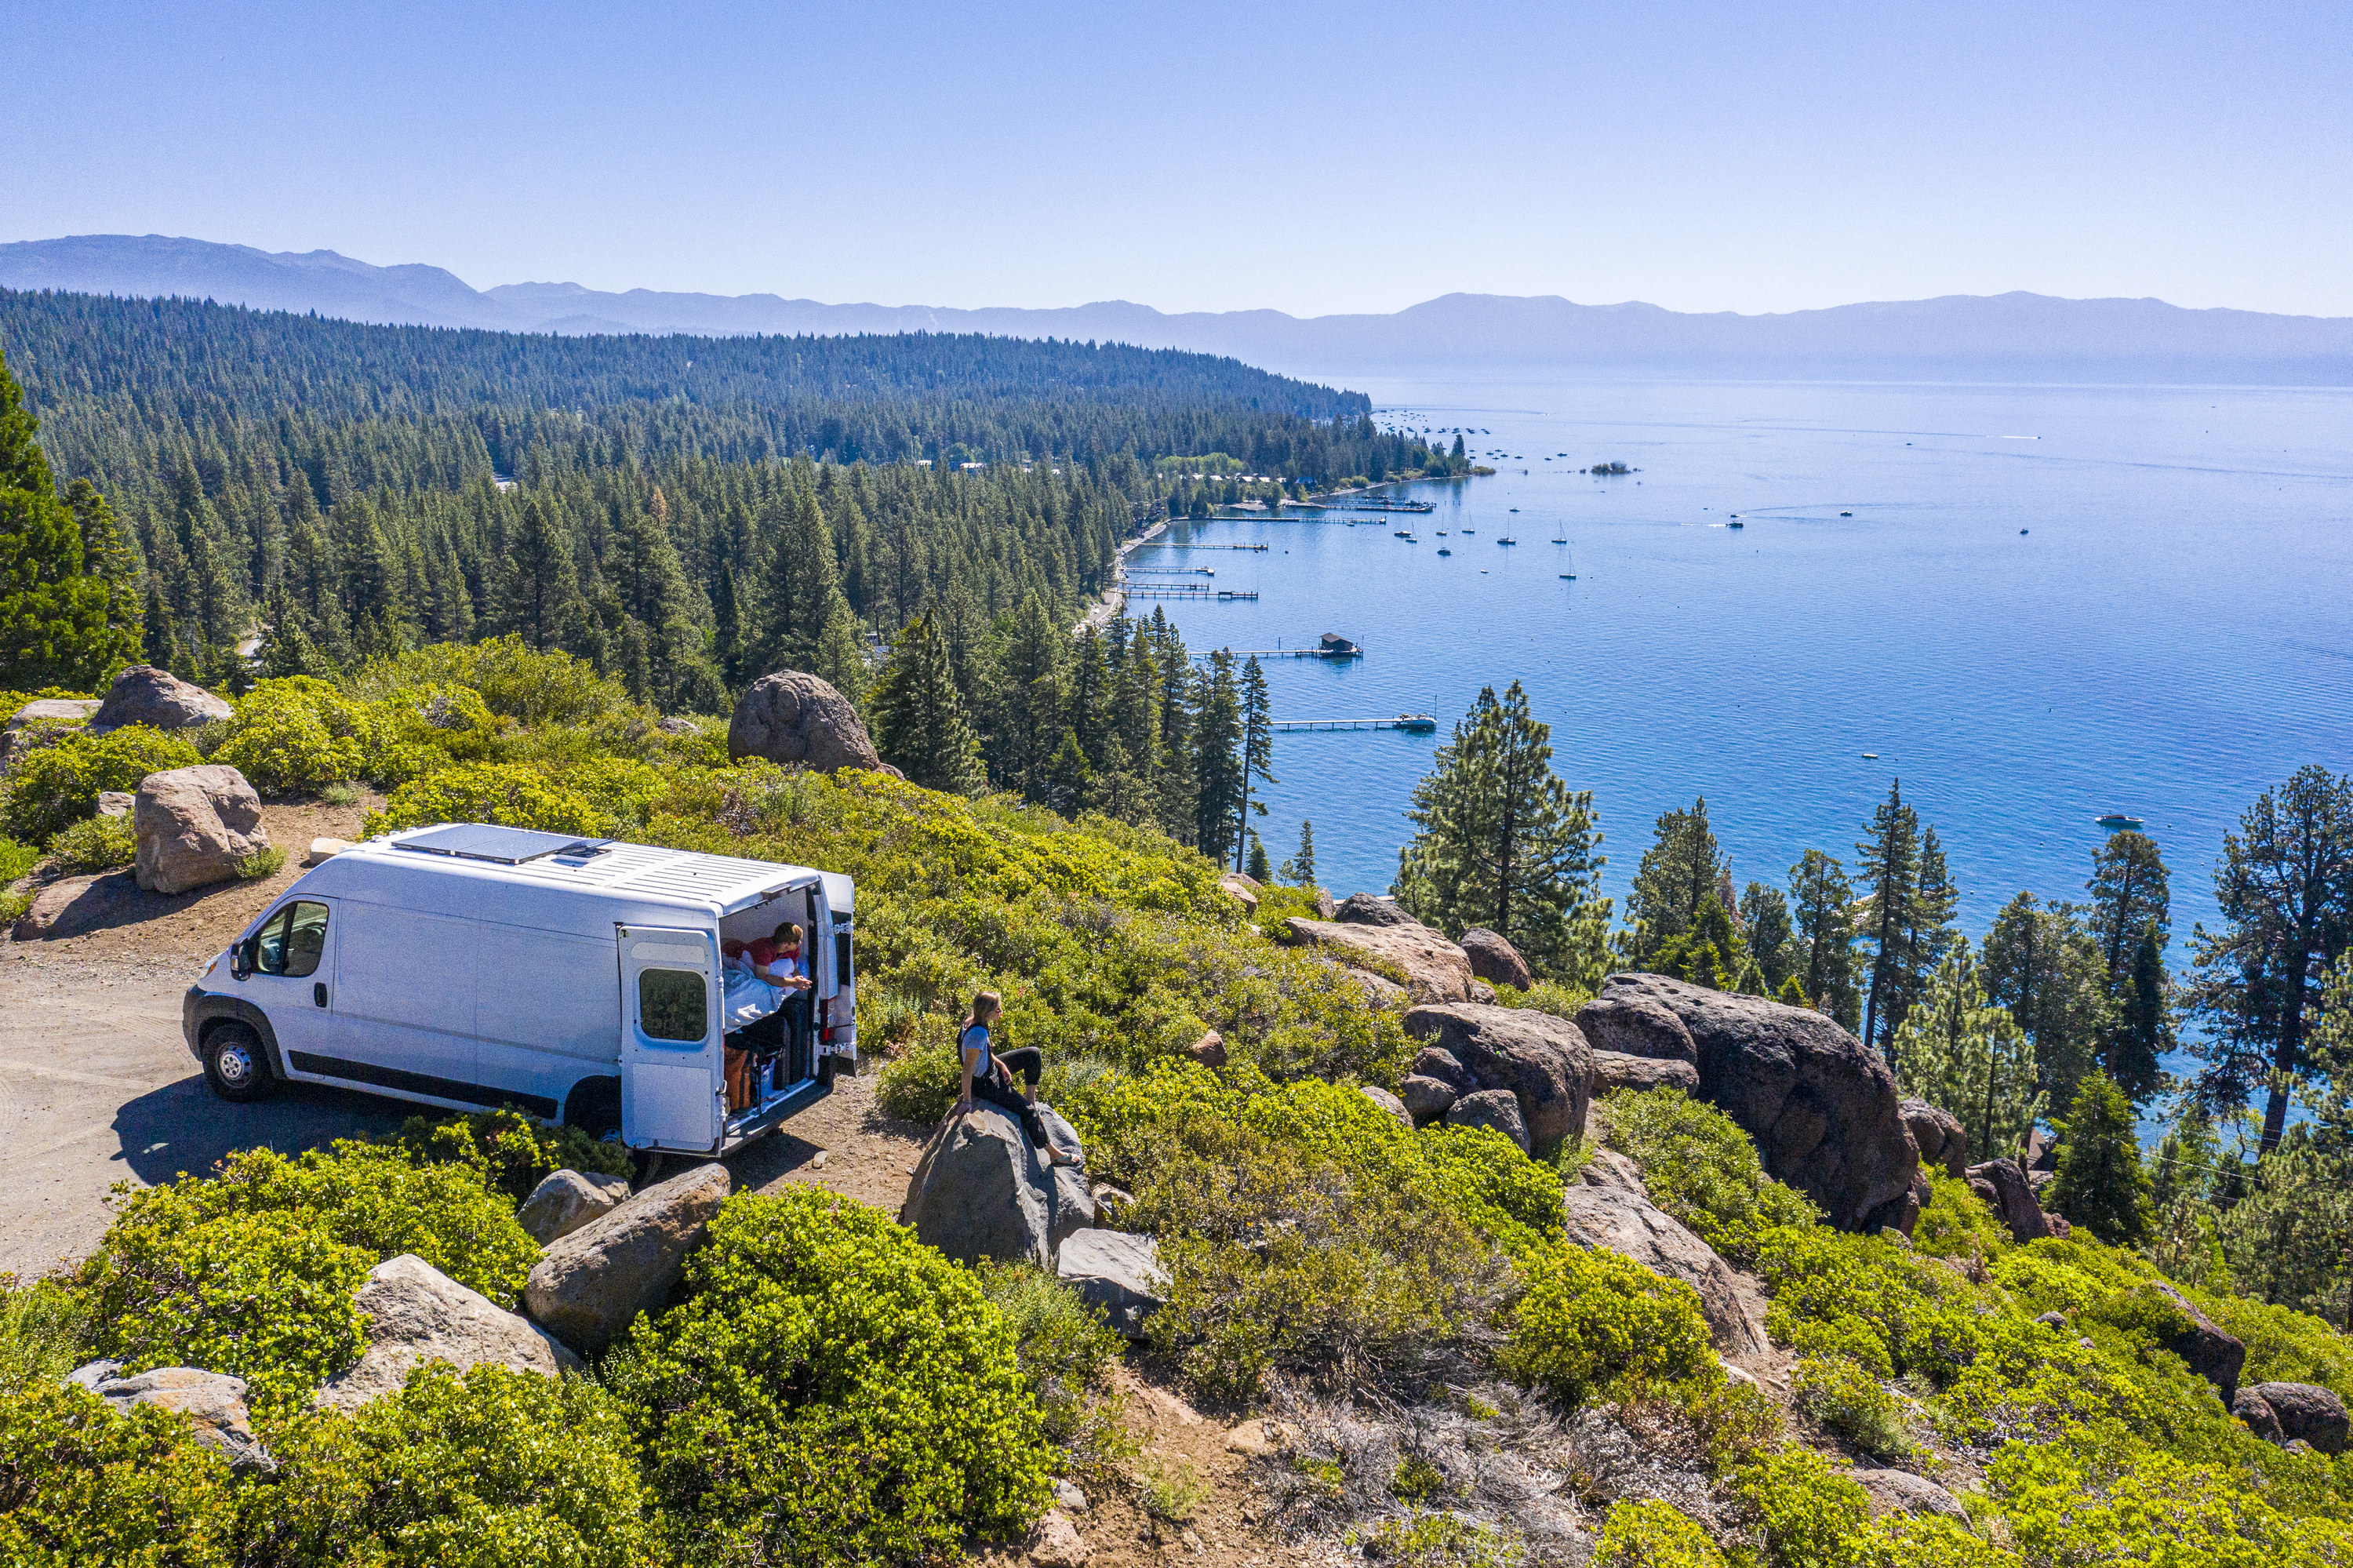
744, 997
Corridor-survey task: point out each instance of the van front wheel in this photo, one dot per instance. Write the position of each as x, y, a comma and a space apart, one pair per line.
235, 1066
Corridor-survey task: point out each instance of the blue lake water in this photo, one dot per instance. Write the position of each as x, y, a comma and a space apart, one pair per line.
2170, 635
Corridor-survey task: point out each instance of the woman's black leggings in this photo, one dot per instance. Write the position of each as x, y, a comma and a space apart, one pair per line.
988, 1086
1027, 1060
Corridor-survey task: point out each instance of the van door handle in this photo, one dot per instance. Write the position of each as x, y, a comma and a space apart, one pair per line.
319, 992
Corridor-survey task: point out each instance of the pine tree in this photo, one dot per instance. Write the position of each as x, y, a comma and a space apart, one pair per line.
2043, 965
1068, 779
1965, 1056
1502, 843
1681, 868
1771, 942
840, 657
1709, 951
1891, 870
1823, 931
55, 625
1257, 869
918, 723
542, 583
1301, 867
2132, 916
1257, 756
727, 635
2144, 1032
2100, 1184
1218, 782
110, 555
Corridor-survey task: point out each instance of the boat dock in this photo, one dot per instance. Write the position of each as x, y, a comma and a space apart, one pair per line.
1173, 545
1385, 506
1170, 571
1412, 724
1186, 590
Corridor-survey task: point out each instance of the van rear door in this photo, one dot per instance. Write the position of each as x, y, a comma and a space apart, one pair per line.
673, 1077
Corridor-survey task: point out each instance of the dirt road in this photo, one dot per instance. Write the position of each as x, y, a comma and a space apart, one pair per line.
97, 1088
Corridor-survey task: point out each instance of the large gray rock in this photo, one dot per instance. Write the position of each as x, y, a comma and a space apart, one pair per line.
419, 1314
589, 1286
144, 694
2303, 1410
1632, 1022
1438, 1062
49, 716
1435, 970
1615, 1070
981, 1189
1541, 1060
1820, 1105
73, 905
2002, 1184
2202, 1346
800, 721
566, 1200
1117, 1272
194, 825
213, 1403
1900, 1491
1498, 1108
1426, 1100
1626, 1222
2256, 1412
1942, 1140
1370, 909
1389, 1103
1494, 960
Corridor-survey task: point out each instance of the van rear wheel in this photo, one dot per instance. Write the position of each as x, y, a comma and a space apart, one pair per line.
235, 1064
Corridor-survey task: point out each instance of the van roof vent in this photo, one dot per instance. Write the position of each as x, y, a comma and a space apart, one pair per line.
501, 847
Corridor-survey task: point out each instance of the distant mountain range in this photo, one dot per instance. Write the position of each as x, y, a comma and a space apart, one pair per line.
2016, 335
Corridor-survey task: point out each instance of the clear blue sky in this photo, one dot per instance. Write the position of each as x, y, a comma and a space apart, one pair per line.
1311, 158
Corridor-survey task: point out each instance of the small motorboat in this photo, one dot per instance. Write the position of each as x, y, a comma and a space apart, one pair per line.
1846, 514
2117, 823
1871, 757
1568, 577
1444, 551
1507, 541
1735, 522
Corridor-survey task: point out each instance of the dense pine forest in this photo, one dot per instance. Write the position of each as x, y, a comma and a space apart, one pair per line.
683, 513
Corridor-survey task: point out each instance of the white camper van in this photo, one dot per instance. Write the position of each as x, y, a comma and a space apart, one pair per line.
579, 979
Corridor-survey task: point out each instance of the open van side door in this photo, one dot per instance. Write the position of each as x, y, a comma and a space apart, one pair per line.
673, 1076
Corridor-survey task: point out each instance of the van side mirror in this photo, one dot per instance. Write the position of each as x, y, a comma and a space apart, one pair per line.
242, 959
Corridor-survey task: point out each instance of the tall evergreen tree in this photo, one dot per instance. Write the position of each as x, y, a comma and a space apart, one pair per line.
1301, 867
1257, 756
2100, 1184
918, 723
1219, 783
110, 554
1823, 924
1027, 697
55, 624
2284, 885
1680, 869
1891, 873
1501, 842
2133, 917
2043, 964
1963, 1055
1771, 941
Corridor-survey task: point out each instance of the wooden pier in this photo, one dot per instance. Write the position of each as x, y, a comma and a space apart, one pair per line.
1385, 506
1186, 590
1170, 571
1412, 724
1173, 545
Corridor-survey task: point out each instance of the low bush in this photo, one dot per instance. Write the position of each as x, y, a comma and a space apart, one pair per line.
515, 795
1596, 1324
82, 1485
297, 734
512, 680
1423, 1539
16, 860
1957, 1224
492, 1468
1808, 1515
1065, 1350
61, 784
510, 1151
262, 862
921, 1082
94, 844
1702, 1170
1648, 1533
830, 1392
1544, 996
1870, 1298
43, 1327
2283, 1345
1844, 1397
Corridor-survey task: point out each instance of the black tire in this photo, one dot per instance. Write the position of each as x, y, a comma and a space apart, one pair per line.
236, 1065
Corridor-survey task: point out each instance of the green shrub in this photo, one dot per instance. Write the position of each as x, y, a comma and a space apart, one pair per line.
1848, 1400
1648, 1533
1065, 1348
1956, 1223
43, 1327
82, 1485
1168, 1489
299, 735
262, 862
95, 843
514, 681
1702, 1170
1437, 1540
2283, 1345
1808, 1514
510, 1151
1870, 1298
920, 1083
1544, 996
61, 784
514, 794
492, 1468
16, 860
830, 1392
1596, 1324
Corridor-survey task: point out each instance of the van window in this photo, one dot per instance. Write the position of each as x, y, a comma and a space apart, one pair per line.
672, 1005
292, 942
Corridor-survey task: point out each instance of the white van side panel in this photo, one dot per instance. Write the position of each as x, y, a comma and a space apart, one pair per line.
406, 986
544, 991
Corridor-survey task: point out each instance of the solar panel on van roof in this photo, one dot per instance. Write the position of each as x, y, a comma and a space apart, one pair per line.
503, 846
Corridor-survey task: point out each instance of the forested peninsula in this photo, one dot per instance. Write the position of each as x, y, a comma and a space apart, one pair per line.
1476, 1223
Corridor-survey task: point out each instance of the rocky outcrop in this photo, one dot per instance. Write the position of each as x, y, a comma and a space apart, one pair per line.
1370, 909
800, 721
566, 1200
1497, 1109
1054, 1542
1614, 1070
1435, 970
1820, 1105
1241, 889
1210, 1049
1633, 1023
73, 905
32, 724
2203, 1348
1939, 1137
1541, 1060
144, 694
1900, 1491
2300, 1410
1600, 1211
213, 1403
1389, 1103
981, 1189
1381, 993
419, 1314
589, 1286
1116, 1272
116, 802
195, 825
1425, 1098
1495, 961
2251, 1407
2002, 1184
